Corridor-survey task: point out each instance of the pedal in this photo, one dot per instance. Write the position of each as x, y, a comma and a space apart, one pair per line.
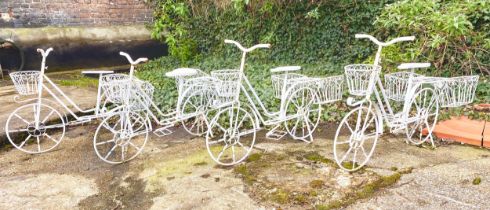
163, 131
275, 133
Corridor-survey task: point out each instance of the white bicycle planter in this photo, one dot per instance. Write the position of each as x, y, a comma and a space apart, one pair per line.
421, 98
40, 124
232, 131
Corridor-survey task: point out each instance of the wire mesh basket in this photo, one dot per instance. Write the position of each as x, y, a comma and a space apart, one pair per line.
329, 89
457, 91
359, 77
26, 82
227, 85
281, 82
396, 84
120, 90
184, 82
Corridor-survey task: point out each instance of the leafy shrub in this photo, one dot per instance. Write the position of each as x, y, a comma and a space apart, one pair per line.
452, 34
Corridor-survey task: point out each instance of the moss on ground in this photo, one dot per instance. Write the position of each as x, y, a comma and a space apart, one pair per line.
365, 192
476, 181
283, 188
83, 82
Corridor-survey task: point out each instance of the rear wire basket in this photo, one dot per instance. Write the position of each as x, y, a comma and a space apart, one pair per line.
120, 90
330, 89
26, 82
281, 82
359, 77
457, 91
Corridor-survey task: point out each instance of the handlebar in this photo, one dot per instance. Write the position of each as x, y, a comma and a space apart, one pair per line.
384, 44
44, 53
227, 41
139, 60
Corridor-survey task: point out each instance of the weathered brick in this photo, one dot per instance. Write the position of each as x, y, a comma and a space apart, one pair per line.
36, 13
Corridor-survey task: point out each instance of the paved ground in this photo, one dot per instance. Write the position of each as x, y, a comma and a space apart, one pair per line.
175, 172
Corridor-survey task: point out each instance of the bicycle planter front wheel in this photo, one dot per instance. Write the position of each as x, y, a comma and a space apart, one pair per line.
356, 138
37, 134
421, 116
231, 135
304, 103
121, 137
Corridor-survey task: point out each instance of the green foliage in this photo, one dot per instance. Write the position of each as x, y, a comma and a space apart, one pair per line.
319, 31
165, 95
453, 35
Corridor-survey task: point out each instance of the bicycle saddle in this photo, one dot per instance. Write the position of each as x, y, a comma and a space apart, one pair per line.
182, 72
404, 66
286, 68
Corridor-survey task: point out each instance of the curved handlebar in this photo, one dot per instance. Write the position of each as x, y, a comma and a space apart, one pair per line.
227, 41
139, 60
384, 44
44, 53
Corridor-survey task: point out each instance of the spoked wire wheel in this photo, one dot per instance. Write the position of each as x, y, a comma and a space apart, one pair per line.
35, 133
121, 137
421, 116
193, 112
356, 139
303, 103
231, 135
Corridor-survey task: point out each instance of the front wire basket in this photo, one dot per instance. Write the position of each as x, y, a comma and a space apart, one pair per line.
359, 77
227, 86
26, 82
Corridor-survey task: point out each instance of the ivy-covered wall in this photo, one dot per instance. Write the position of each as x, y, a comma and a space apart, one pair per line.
319, 36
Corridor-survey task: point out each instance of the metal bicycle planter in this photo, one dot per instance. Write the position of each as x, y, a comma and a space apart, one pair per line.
232, 131
134, 97
421, 98
40, 124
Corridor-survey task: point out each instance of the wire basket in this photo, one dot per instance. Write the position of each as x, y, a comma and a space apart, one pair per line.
457, 91
359, 78
184, 82
120, 90
396, 84
329, 89
227, 85
26, 82
281, 82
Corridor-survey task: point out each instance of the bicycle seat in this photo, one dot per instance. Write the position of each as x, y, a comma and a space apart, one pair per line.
182, 72
405, 66
285, 69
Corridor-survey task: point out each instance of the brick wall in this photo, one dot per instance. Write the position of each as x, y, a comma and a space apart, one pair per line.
38, 13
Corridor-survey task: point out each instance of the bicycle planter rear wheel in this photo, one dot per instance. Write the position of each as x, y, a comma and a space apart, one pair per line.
41, 134
304, 103
121, 137
193, 111
11, 56
421, 116
356, 138
231, 135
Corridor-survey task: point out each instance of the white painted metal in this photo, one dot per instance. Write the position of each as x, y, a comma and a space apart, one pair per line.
299, 109
39, 127
421, 97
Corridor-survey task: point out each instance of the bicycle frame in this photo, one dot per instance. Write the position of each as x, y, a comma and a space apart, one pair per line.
57, 90
383, 107
262, 113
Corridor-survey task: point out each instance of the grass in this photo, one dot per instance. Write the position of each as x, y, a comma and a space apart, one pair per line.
80, 81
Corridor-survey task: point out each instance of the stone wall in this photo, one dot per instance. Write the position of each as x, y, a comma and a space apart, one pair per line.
39, 13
